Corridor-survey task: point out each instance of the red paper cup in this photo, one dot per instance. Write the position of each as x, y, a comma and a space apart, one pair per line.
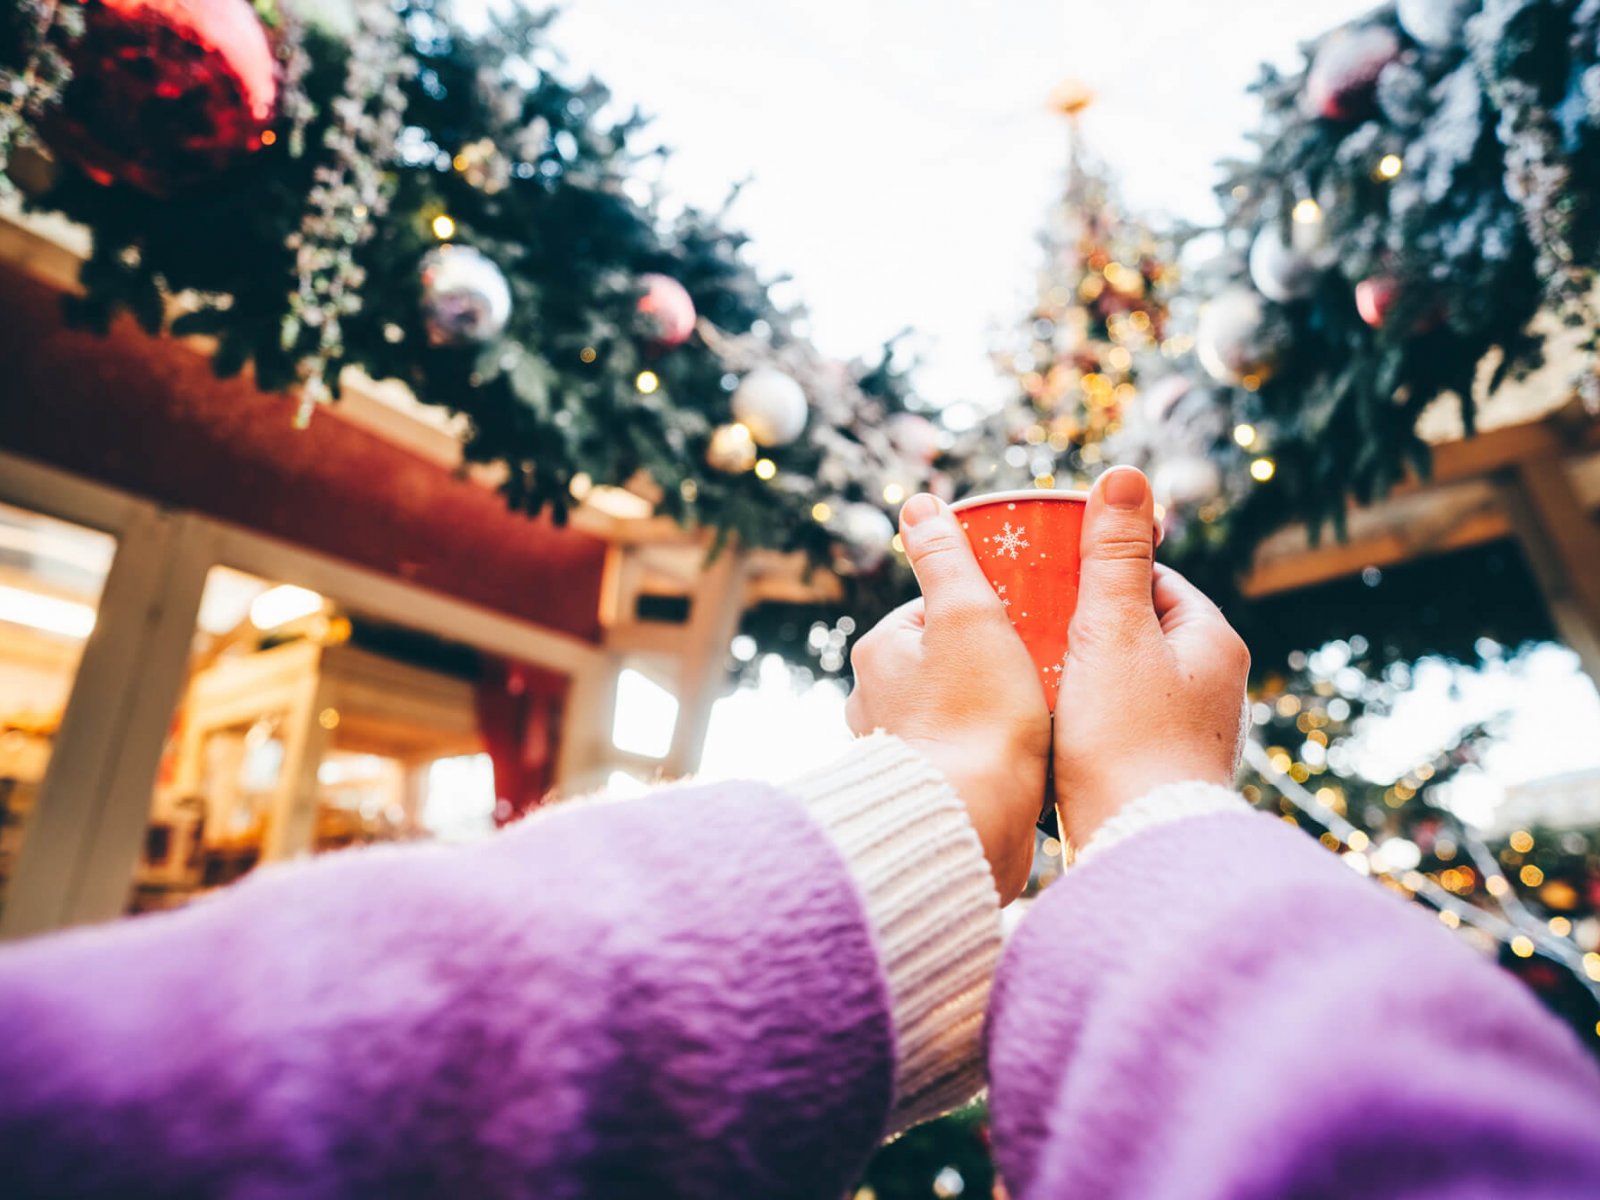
1027, 545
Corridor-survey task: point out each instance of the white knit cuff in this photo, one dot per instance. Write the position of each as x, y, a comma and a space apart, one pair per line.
1168, 803
933, 905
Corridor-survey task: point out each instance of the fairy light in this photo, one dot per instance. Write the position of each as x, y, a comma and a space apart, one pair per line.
1531, 876
821, 511
766, 468
1263, 469
893, 493
1522, 946
1390, 166
647, 382
898, 543
1522, 841
1245, 435
444, 227
1307, 212
588, 354
1560, 926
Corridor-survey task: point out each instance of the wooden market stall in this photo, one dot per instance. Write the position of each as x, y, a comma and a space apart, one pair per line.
182, 737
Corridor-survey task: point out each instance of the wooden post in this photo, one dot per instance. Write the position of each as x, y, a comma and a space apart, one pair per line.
719, 600
1562, 541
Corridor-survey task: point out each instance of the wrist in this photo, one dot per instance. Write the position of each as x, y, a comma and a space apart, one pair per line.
1001, 783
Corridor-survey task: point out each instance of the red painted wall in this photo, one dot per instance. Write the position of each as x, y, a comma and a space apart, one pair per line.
146, 415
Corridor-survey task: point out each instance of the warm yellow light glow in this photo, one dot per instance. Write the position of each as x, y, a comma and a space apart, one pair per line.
899, 544
1263, 469
647, 382
1390, 166
1245, 435
893, 493
48, 614
328, 718
1531, 876
1522, 841
280, 605
587, 354
1307, 212
1449, 918
1358, 840
821, 511
1497, 885
580, 486
766, 468
443, 228
1591, 966
1522, 946
1560, 926
1044, 482
459, 162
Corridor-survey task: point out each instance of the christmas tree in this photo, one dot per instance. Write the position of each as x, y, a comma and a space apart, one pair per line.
1092, 345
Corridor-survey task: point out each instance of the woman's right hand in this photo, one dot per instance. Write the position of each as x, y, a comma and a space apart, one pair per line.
1153, 688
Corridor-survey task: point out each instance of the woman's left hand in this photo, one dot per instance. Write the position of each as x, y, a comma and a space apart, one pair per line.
949, 676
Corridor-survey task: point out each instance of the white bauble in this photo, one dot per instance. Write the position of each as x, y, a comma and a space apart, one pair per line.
1437, 24
771, 406
1281, 272
1186, 480
1235, 338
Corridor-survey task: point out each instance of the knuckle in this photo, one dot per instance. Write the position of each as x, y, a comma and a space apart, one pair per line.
1120, 546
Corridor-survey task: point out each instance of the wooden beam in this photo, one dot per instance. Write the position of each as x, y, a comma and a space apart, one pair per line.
1562, 541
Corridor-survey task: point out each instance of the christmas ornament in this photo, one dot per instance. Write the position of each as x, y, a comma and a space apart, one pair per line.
1343, 78
1159, 399
165, 93
1280, 272
914, 436
1237, 338
1186, 481
465, 297
732, 449
771, 405
666, 310
1436, 24
1375, 296
864, 531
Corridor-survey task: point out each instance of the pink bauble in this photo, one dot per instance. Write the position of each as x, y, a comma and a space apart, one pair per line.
1375, 297
666, 309
1343, 81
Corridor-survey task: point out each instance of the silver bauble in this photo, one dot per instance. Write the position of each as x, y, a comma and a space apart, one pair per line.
1186, 480
771, 405
1280, 272
865, 533
465, 297
1237, 336
1436, 24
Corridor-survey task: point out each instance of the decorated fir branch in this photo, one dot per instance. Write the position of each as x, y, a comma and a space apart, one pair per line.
325, 187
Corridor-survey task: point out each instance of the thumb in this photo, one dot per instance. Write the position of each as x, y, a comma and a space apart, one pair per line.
947, 571
1118, 551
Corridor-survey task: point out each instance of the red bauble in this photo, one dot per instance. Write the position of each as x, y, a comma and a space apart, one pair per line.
1343, 81
1375, 297
667, 309
166, 93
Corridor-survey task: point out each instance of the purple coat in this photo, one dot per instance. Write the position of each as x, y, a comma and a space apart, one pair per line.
681, 996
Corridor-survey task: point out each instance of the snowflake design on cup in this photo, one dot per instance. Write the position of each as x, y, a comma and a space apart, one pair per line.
1008, 540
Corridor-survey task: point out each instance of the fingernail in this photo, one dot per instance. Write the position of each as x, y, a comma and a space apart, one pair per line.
919, 508
1125, 488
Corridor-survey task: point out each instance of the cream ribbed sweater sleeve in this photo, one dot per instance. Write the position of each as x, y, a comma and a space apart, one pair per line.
932, 902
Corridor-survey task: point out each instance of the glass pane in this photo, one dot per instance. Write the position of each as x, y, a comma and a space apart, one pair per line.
306, 727
51, 577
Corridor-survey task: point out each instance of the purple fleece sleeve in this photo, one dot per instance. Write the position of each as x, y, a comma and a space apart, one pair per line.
673, 996
1219, 1008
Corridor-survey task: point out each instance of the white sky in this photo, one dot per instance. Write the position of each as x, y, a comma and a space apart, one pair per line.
901, 154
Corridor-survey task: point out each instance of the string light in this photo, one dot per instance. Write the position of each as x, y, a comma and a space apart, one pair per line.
893, 493
647, 382
268, 137
898, 543
1263, 469
444, 228
766, 468
1531, 876
1245, 435
1591, 966
821, 511
588, 354
1307, 212
1522, 841
1390, 166
1522, 946
1560, 926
